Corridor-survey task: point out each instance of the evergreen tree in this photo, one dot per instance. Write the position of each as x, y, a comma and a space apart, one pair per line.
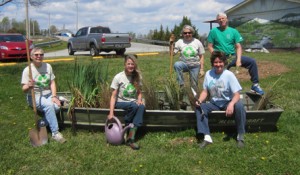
155, 35
161, 33
167, 35
185, 21
164, 35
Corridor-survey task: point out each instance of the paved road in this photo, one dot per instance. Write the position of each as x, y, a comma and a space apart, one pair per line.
135, 48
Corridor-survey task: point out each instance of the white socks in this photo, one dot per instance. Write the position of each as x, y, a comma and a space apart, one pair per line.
208, 138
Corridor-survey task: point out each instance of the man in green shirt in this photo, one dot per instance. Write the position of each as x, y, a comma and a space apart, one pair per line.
228, 40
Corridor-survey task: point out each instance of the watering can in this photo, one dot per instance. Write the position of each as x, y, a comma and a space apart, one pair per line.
114, 132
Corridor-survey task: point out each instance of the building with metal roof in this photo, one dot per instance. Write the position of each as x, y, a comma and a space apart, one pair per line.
267, 23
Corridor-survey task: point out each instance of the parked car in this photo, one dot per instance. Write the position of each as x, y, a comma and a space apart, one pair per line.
98, 39
13, 46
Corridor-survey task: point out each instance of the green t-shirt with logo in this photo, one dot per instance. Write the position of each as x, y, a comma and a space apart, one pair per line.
42, 77
126, 90
189, 51
224, 40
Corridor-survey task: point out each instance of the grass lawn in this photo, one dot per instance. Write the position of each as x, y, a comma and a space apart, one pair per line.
161, 152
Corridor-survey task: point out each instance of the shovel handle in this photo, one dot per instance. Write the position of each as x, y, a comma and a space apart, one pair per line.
172, 40
32, 90
171, 59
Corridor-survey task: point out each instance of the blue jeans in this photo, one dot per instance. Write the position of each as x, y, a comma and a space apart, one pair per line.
202, 121
134, 113
45, 105
181, 67
248, 63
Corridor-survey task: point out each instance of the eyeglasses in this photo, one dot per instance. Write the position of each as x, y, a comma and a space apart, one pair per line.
37, 54
187, 33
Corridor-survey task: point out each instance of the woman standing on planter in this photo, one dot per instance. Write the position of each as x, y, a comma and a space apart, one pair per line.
127, 95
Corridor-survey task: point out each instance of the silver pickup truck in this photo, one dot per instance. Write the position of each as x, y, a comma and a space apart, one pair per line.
98, 39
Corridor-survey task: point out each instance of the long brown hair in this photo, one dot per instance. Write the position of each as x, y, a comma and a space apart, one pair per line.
136, 74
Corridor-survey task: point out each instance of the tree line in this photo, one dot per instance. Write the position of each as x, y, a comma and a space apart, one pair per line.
164, 34
13, 26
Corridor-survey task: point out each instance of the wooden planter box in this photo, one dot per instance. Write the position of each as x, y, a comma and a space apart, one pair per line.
260, 120
257, 120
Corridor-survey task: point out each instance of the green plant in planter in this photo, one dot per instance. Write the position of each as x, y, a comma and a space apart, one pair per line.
86, 85
150, 95
179, 98
266, 101
90, 89
105, 92
173, 93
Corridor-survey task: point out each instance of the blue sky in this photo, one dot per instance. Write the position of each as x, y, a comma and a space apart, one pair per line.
138, 16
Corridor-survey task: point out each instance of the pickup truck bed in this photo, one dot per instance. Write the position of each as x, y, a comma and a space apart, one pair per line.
98, 39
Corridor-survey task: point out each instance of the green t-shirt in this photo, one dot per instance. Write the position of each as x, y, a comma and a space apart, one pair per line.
224, 40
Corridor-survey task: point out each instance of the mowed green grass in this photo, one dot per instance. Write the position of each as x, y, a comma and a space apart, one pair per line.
86, 152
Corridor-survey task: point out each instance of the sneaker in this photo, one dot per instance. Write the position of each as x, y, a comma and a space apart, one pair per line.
204, 144
256, 89
58, 137
240, 144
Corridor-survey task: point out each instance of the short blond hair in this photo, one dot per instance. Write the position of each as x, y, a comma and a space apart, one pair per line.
189, 28
35, 50
221, 14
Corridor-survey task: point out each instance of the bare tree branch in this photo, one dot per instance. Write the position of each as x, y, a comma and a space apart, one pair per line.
3, 2
35, 3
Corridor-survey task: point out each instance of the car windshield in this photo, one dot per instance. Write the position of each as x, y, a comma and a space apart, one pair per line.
12, 38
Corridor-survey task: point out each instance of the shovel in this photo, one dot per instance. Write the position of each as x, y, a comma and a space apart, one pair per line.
38, 136
195, 96
172, 39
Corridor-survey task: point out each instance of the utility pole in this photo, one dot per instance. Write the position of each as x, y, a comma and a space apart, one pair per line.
27, 16
76, 2
49, 26
33, 33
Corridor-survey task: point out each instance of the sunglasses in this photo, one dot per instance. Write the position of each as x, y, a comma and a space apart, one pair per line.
36, 54
187, 33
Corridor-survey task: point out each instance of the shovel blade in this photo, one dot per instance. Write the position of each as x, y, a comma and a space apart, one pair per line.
194, 92
38, 137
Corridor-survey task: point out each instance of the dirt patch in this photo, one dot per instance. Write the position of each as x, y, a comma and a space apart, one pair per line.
265, 69
179, 141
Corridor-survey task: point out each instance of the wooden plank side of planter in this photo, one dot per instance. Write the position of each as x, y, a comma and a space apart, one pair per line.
260, 120
165, 118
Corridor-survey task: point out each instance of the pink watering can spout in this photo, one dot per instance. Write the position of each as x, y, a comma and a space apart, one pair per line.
114, 132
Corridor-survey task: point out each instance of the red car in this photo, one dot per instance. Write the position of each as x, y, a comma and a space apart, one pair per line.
13, 46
